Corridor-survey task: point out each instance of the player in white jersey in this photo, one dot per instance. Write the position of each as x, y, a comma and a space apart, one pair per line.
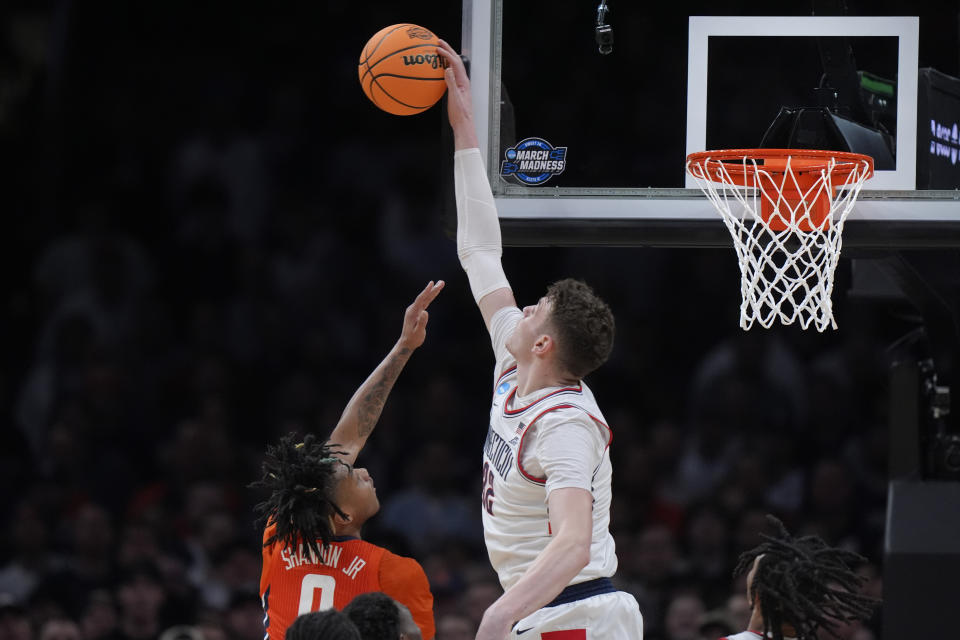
796, 586
546, 464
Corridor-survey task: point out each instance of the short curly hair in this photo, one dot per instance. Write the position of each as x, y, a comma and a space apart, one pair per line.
329, 624
376, 615
584, 326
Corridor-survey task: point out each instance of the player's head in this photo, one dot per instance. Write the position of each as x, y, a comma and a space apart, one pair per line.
571, 324
355, 494
803, 584
313, 493
380, 617
328, 624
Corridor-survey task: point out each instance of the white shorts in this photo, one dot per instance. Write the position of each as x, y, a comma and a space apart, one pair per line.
608, 616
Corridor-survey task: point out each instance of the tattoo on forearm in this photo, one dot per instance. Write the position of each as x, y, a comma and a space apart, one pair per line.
371, 404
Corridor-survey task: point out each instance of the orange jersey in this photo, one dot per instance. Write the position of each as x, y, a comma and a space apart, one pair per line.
294, 581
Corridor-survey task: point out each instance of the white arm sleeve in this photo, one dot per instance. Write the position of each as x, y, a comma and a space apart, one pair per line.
478, 226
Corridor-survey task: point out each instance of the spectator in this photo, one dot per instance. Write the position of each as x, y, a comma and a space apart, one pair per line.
428, 510
209, 623
749, 529
94, 537
480, 594
98, 619
379, 617
141, 598
684, 616
738, 611
14, 623
244, 616
88, 565
454, 626
59, 629
715, 624
833, 503
655, 565
27, 541
708, 538
181, 632
328, 624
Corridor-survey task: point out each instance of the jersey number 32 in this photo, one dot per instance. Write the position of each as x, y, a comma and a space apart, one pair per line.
486, 496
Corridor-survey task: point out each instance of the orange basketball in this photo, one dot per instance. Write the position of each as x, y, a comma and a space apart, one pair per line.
401, 71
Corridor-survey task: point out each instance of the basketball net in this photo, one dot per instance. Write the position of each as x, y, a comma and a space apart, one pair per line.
785, 215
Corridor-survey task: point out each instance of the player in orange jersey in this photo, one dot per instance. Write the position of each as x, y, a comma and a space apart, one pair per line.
313, 556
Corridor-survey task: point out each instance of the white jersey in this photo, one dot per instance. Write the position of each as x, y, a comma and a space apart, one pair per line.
517, 476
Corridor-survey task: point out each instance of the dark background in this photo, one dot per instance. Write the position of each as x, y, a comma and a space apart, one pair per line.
212, 236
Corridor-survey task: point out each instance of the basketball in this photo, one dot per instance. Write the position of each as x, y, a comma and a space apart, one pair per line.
401, 71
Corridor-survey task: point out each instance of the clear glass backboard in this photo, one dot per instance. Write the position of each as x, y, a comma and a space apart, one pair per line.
589, 148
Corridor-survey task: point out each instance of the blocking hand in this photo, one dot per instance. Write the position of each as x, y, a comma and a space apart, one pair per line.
415, 317
459, 102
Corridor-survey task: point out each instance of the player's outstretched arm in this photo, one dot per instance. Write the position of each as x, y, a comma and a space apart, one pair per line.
571, 515
362, 412
478, 227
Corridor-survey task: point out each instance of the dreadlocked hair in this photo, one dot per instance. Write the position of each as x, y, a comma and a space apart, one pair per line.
301, 478
329, 624
804, 583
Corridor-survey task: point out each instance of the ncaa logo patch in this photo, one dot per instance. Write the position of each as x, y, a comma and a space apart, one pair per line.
502, 389
533, 161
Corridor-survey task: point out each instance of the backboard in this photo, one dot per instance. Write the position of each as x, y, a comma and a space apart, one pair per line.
587, 148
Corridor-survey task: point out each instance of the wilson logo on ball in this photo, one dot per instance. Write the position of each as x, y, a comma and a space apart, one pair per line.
433, 60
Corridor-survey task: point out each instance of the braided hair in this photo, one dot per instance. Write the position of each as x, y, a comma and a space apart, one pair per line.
329, 624
804, 583
301, 478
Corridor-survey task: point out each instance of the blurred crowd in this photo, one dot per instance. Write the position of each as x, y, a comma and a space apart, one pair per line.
194, 277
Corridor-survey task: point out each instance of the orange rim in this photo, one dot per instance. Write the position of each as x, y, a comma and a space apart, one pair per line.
766, 169
775, 161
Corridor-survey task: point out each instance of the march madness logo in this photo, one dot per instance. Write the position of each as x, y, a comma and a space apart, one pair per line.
533, 161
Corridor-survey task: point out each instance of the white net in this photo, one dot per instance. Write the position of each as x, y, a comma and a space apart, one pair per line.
788, 261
